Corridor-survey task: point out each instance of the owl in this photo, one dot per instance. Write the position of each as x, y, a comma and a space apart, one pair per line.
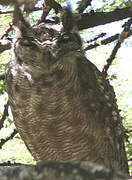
63, 107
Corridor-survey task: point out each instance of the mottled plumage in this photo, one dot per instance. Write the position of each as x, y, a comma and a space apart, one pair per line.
63, 107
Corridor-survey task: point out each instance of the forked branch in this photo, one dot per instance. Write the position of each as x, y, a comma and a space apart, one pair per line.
122, 37
3, 141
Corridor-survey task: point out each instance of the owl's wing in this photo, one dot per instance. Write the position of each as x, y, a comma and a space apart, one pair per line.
95, 88
98, 97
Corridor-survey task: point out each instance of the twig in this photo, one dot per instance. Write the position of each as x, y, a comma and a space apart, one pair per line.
5, 114
103, 42
130, 159
128, 130
3, 141
95, 39
6, 31
124, 35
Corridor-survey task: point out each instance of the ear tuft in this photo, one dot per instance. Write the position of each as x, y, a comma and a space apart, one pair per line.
68, 20
22, 23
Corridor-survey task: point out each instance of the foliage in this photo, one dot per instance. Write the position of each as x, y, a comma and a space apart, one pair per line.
16, 151
3, 60
107, 5
5, 19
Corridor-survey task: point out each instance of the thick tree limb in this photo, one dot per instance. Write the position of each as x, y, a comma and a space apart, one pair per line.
101, 18
89, 20
60, 170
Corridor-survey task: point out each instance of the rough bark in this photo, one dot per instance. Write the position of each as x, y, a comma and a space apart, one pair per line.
61, 171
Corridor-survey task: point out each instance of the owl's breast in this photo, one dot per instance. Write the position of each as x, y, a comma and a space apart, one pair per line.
46, 108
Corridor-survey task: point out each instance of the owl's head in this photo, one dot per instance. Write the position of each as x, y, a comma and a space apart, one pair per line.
40, 46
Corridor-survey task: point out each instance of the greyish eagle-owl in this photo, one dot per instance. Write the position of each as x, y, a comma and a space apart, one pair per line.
63, 107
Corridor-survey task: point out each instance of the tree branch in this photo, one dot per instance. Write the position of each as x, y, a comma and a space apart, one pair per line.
4, 47
96, 38
9, 163
3, 141
89, 20
48, 5
5, 114
123, 36
83, 4
103, 42
130, 159
6, 12
111, 58
12, 11
2, 77
7, 31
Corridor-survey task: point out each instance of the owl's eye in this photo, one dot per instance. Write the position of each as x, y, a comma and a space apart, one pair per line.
28, 42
